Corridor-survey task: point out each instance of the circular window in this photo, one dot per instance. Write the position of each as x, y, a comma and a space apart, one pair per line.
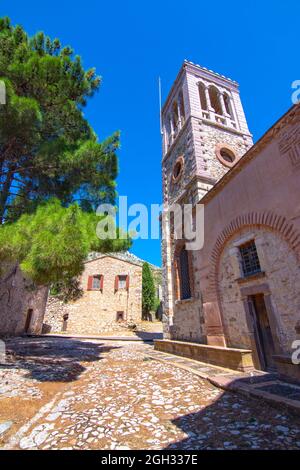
178, 167
226, 155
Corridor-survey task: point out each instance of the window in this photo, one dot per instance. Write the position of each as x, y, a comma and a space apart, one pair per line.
120, 316
226, 155
177, 170
181, 108
250, 260
214, 100
228, 105
175, 117
184, 275
95, 282
122, 282
202, 96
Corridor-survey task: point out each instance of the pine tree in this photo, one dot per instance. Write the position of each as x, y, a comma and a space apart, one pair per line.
53, 170
47, 147
52, 243
148, 290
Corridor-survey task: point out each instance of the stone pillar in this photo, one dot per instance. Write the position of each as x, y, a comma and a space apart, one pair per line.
210, 109
221, 98
213, 324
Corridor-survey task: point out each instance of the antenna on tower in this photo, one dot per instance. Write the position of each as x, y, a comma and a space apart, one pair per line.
159, 97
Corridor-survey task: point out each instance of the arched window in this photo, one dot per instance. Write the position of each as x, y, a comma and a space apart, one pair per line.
184, 275
175, 117
181, 108
202, 96
168, 131
214, 100
228, 107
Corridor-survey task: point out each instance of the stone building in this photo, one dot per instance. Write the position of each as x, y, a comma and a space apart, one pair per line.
22, 305
236, 301
112, 295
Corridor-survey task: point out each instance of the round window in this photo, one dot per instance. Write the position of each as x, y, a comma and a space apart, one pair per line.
178, 167
226, 155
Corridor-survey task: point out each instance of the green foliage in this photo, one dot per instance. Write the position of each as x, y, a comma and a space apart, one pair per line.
53, 171
52, 243
148, 289
47, 148
67, 290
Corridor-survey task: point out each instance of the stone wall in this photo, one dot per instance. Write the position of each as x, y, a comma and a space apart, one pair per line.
280, 266
18, 295
195, 146
96, 311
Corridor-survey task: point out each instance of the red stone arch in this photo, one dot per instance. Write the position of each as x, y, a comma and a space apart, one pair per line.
266, 219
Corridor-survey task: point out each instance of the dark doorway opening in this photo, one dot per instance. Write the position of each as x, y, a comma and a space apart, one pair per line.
65, 322
262, 332
28, 320
120, 316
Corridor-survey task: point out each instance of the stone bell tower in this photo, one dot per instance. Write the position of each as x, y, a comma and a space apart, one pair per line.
204, 134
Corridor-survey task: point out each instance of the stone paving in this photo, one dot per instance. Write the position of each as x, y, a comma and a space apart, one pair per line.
113, 395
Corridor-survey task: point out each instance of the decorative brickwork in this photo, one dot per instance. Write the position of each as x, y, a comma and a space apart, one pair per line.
265, 219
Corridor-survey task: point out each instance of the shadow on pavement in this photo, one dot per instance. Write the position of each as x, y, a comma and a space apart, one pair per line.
232, 422
52, 359
148, 336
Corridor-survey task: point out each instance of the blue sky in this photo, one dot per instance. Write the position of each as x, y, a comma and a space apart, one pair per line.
131, 43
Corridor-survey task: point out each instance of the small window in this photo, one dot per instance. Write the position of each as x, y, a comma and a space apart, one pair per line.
226, 155
96, 282
177, 170
250, 260
120, 317
122, 281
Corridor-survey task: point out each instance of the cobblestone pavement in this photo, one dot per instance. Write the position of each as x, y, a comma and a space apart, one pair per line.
113, 396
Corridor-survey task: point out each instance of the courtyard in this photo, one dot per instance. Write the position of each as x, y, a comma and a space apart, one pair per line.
69, 393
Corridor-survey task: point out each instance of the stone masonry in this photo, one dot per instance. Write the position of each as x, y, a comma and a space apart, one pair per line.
101, 309
250, 195
22, 304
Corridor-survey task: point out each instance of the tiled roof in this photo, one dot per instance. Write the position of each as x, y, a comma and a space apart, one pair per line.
122, 255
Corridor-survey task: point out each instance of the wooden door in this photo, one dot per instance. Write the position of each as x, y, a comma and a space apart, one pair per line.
262, 332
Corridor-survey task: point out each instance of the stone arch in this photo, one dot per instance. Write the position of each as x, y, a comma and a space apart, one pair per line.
265, 219
214, 93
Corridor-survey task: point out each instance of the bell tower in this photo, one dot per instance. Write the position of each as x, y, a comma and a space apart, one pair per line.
205, 133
